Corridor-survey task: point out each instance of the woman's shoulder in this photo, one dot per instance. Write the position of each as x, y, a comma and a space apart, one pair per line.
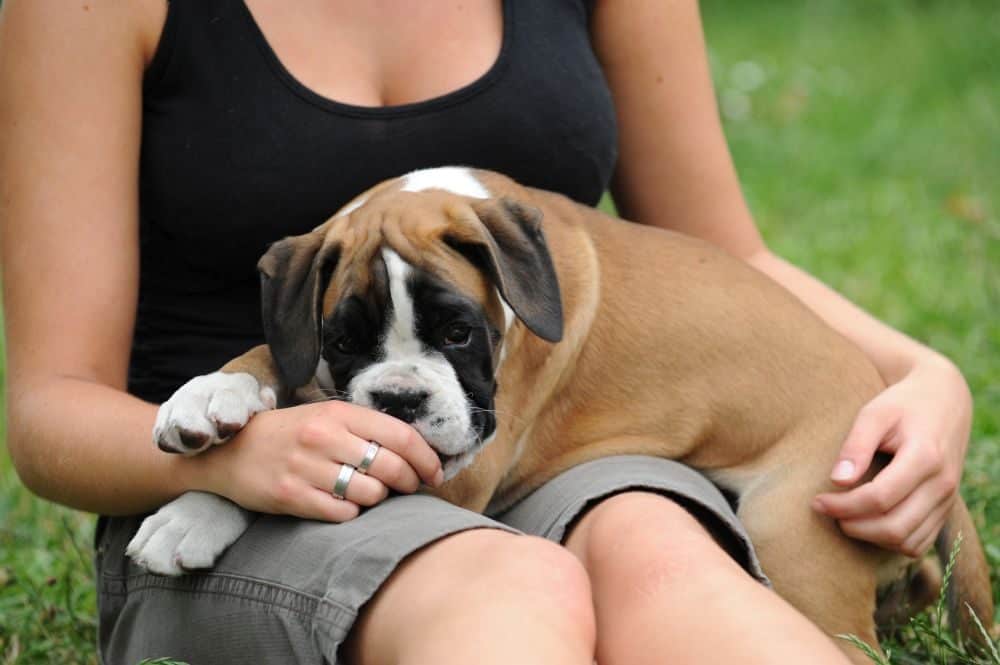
127, 25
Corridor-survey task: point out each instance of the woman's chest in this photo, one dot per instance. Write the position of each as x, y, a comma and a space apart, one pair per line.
239, 150
384, 53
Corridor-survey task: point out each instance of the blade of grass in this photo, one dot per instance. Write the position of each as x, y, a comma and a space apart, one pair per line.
865, 648
990, 644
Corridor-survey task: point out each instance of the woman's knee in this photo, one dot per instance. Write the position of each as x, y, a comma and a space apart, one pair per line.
641, 541
513, 568
487, 574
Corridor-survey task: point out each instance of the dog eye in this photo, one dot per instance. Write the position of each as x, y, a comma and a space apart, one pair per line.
346, 344
456, 335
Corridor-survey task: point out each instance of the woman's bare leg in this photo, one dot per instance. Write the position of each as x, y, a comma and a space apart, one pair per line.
481, 596
664, 591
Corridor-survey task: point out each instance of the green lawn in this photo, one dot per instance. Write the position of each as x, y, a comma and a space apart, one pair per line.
867, 136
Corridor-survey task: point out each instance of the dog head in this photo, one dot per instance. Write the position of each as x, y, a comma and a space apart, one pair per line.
402, 302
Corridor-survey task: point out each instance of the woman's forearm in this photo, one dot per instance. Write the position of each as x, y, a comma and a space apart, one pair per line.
89, 446
893, 353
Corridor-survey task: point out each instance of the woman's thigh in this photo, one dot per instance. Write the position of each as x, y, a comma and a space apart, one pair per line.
553, 510
291, 590
288, 591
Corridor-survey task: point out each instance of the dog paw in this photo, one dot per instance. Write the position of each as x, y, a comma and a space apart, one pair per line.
208, 410
187, 534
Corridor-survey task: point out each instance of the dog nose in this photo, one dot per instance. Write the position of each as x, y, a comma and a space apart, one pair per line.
407, 405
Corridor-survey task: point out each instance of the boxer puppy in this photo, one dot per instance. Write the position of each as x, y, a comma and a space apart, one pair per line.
451, 298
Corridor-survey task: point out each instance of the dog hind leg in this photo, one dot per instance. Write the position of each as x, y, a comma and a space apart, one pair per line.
824, 574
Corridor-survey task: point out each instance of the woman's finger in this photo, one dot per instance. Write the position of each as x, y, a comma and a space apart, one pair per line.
903, 527
400, 438
361, 489
923, 537
926, 545
394, 471
873, 424
387, 467
316, 504
904, 473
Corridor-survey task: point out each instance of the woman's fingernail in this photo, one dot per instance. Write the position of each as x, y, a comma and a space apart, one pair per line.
818, 506
844, 470
439, 478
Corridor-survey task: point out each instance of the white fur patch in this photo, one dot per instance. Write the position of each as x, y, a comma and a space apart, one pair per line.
206, 404
189, 533
401, 336
508, 321
323, 375
508, 314
455, 179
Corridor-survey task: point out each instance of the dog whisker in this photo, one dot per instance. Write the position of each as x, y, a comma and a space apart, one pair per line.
318, 394
499, 414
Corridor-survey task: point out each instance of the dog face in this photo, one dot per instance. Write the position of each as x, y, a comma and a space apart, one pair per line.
417, 349
403, 303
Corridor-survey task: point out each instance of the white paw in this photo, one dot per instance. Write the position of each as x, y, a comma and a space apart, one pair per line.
208, 410
189, 533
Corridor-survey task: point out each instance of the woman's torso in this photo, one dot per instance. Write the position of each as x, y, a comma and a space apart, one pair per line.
248, 136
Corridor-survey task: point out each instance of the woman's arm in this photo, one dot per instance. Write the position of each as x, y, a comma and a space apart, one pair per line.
675, 171
70, 93
70, 116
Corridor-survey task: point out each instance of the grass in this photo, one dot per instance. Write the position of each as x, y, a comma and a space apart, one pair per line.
928, 630
867, 136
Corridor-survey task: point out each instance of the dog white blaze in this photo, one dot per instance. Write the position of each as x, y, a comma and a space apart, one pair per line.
455, 179
405, 365
401, 335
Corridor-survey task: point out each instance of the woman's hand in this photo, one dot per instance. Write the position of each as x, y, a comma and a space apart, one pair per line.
923, 421
287, 461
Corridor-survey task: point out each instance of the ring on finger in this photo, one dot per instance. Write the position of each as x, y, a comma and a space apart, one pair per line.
343, 480
369, 457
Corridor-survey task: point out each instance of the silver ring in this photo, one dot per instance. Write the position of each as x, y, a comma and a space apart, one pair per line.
369, 457
343, 479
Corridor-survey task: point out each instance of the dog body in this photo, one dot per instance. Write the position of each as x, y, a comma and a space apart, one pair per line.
523, 334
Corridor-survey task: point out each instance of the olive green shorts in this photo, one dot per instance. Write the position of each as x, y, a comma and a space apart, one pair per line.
289, 590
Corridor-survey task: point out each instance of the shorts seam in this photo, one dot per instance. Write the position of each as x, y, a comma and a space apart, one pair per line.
268, 594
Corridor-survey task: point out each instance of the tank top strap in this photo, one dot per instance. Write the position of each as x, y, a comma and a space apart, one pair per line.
197, 33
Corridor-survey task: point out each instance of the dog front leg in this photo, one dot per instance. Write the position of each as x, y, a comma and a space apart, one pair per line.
210, 409
189, 533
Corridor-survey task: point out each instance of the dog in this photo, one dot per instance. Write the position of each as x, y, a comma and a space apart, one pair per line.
462, 296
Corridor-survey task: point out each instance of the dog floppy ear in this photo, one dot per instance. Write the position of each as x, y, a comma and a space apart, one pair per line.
293, 276
511, 250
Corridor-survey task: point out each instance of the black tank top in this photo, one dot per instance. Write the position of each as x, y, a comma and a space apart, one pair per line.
236, 154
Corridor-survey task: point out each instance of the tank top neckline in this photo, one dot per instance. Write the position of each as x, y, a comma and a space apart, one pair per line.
461, 94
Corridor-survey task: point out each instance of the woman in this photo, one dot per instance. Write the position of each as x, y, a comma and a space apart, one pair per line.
151, 151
